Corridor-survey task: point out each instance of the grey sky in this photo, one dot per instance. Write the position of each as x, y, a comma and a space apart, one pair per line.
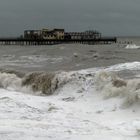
111, 17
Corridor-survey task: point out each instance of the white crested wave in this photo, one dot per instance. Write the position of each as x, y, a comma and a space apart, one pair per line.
56, 80
125, 66
10, 81
110, 85
85, 104
132, 46
118, 67
105, 80
40, 83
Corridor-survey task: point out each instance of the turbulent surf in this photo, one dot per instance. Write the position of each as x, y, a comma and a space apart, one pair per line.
69, 92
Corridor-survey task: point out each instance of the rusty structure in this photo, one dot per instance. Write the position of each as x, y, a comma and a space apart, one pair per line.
53, 34
83, 35
45, 34
60, 34
57, 36
32, 34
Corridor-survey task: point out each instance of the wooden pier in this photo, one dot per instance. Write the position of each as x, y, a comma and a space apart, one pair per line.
24, 41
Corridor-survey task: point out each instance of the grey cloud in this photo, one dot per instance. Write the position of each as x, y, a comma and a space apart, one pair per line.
111, 17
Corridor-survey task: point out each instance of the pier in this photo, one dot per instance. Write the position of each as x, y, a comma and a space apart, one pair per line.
37, 41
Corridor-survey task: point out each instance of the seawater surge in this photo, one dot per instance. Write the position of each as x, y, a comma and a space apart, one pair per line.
106, 81
82, 103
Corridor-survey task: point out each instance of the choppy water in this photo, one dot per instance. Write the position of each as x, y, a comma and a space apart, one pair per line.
64, 57
70, 92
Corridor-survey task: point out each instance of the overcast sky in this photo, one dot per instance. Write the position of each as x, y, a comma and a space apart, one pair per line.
111, 17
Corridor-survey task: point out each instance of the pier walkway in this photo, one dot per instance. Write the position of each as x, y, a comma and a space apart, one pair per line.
24, 41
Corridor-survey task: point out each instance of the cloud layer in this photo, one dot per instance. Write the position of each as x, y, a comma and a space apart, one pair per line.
111, 17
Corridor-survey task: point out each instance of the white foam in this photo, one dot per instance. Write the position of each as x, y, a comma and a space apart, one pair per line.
78, 111
11, 81
110, 85
132, 46
125, 66
118, 67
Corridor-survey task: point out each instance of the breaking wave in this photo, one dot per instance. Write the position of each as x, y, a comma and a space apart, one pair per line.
103, 81
44, 82
40, 83
10, 81
132, 46
110, 85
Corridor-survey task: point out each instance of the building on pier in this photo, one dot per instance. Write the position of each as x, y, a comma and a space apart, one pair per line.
44, 34
32, 34
48, 34
53, 34
83, 35
60, 34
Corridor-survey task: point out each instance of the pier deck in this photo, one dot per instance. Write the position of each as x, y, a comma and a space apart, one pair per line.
24, 41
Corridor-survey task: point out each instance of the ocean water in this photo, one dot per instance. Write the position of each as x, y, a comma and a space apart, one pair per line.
70, 92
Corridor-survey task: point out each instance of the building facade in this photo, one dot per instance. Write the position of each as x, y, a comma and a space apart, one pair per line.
32, 34
44, 34
83, 35
60, 34
47, 34
53, 34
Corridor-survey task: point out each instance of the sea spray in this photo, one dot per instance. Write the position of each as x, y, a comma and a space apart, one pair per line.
19, 74
10, 81
47, 83
110, 85
132, 46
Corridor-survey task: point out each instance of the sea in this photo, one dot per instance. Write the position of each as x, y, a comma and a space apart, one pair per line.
70, 91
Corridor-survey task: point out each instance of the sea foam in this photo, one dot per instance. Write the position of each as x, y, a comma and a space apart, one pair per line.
105, 81
132, 46
110, 85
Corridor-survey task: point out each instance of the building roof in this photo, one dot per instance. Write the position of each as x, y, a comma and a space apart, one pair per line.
62, 30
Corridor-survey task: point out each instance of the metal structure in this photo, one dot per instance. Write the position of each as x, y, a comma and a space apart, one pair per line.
57, 36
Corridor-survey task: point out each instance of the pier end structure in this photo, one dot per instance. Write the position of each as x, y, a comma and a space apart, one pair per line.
57, 36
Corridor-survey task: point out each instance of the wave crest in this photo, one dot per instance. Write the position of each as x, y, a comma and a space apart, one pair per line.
44, 82
110, 85
10, 81
132, 46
